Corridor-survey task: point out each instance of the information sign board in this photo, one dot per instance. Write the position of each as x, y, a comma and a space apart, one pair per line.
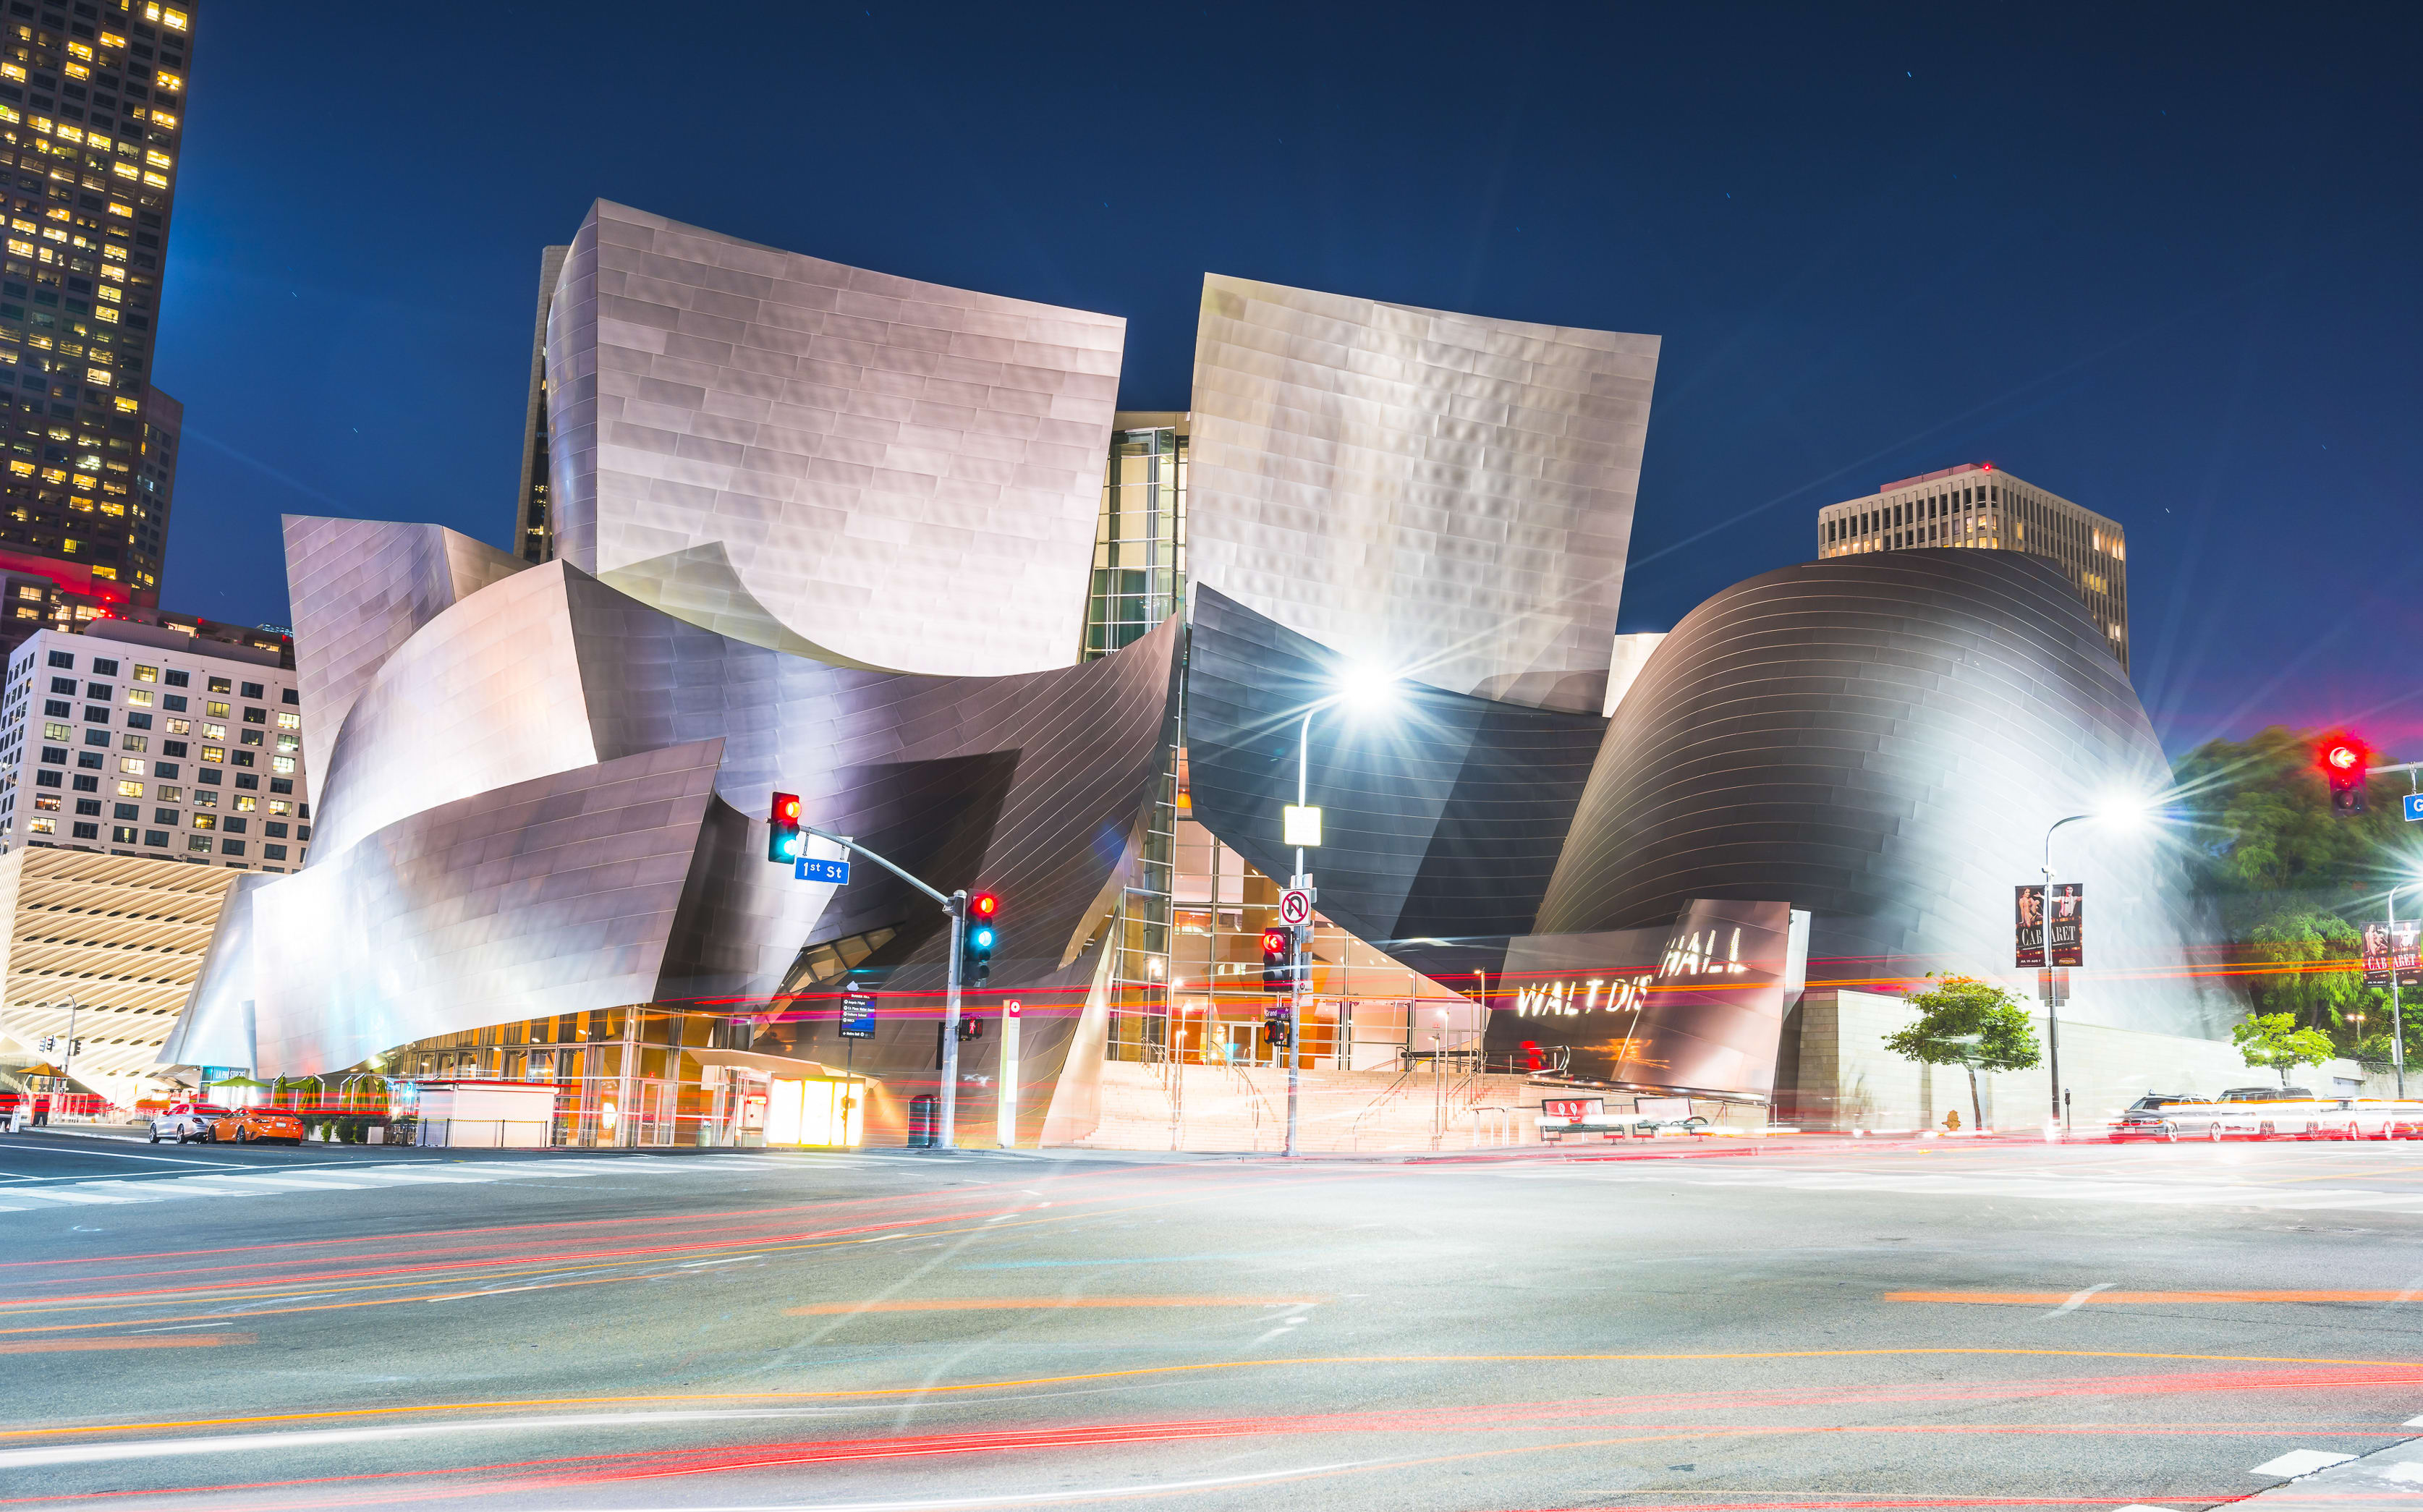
858, 1016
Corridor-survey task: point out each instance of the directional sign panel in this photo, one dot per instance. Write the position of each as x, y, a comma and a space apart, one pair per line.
2414, 802
808, 869
858, 1016
1295, 906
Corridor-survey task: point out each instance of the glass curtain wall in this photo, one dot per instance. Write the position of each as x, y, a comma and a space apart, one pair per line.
1140, 580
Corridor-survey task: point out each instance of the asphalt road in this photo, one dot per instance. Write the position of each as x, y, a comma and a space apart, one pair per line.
1847, 1326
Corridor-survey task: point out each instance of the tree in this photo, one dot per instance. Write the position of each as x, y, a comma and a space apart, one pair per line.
2261, 817
2320, 980
2274, 1040
1965, 1022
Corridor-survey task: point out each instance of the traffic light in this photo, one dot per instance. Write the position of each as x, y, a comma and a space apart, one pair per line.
1275, 1029
1277, 975
983, 934
48, 1043
2344, 759
783, 841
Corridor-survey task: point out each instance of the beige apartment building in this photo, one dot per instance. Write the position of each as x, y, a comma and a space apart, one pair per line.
1977, 505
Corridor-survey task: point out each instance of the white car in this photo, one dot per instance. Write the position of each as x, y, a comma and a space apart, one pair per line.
186, 1121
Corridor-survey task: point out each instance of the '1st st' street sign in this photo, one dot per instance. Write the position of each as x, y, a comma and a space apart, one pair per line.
808, 869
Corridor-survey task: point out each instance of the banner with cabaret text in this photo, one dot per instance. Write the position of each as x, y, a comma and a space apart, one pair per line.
2393, 947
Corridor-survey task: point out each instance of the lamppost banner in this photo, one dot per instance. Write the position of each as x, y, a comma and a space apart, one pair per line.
2066, 921
2388, 947
2028, 934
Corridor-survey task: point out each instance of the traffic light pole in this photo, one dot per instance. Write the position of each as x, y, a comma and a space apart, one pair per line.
2397, 1023
1296, 941
947, 1128
955, 906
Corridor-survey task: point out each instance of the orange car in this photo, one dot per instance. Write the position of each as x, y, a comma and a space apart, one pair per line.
246, 1125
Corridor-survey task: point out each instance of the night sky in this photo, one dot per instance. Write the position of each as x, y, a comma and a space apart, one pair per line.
2163, 263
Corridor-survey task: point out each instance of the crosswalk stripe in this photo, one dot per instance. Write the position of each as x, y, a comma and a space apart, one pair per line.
30, 1198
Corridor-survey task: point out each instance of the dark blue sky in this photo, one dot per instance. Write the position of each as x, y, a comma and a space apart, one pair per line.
2163, 261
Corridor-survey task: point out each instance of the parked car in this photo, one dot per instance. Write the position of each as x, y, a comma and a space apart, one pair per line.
2167, 1115
186, 1121
248, 1125
2259, 1094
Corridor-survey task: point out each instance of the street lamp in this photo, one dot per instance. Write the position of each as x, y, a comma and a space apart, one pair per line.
1368, 691
2127, 814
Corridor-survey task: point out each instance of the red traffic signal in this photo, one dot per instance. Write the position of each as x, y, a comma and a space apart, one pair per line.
2344, 760
983, 907
1277, 976
783, 841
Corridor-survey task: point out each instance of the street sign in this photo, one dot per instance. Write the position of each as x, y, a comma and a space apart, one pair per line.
1295, 906
808, 869
2414, 810
1300, 826
858, 1016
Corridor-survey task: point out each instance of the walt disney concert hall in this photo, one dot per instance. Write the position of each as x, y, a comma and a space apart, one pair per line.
893, 547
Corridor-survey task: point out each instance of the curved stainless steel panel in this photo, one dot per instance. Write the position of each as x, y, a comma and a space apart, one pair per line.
844, 433
1448, 496
1883, 741
556, 895
359, 589
1443, 817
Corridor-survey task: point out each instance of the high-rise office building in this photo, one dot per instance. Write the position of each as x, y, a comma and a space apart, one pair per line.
534, 535
92, 95
148, 740
1976, 505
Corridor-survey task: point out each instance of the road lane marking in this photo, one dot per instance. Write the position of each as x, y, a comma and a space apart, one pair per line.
2079, 1299
981, 1304
151, 1341
1358, 1362
114, 1155
2103, 1294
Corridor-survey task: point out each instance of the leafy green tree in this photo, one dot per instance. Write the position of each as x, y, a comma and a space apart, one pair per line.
2274, 1040
2320, 980
2292, 881
2261, 817
1965, 1022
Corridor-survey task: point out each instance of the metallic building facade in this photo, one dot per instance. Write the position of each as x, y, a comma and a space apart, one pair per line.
1447, 497
824, 531
597, 838
1883, 740
1442, 818
838, 434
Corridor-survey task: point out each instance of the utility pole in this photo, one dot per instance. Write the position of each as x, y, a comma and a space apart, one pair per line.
955, 906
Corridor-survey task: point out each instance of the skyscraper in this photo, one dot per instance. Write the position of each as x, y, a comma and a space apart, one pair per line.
91, 101
534, 534
1975, 505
